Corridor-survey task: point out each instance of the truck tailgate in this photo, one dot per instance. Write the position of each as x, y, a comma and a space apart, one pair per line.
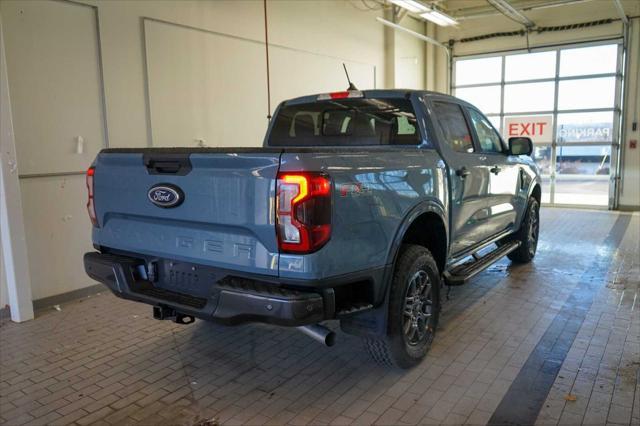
226, 218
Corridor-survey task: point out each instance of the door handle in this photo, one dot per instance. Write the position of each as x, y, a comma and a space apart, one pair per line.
495, 170
463, 172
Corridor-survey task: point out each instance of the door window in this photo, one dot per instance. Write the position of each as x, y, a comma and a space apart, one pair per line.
487, 136
454, 126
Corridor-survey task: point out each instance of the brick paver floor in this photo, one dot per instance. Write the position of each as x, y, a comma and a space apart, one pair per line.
102, 360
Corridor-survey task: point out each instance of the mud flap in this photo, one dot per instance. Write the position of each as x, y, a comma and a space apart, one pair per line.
368, 323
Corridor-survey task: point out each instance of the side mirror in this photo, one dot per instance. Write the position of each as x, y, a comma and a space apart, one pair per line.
520, 146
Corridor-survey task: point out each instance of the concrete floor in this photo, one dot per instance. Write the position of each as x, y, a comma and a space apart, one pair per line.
555, 341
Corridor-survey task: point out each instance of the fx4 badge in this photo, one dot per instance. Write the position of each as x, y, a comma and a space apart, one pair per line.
353, 189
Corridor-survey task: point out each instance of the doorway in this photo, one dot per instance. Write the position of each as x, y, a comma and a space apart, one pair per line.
567, 99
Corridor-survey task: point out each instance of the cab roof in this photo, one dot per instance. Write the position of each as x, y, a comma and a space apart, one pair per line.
375, 93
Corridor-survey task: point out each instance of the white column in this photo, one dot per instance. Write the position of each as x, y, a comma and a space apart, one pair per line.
12, 235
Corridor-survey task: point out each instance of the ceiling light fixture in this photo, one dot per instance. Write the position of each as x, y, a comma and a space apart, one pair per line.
411, 5
439, 18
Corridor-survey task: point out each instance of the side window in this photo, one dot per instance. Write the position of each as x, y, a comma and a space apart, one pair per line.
404, 127
454, 126
487, 136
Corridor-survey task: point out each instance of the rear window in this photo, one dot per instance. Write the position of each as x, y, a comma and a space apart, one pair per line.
346, 122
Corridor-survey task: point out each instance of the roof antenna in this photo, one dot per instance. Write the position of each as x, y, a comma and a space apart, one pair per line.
351, 85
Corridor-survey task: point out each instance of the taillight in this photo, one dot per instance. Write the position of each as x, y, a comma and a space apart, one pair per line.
91, 207
303, 211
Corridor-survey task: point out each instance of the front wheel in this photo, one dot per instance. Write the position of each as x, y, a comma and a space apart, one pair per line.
528, 234
414, 308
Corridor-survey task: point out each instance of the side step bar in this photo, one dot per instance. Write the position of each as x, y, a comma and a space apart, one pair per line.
460, 274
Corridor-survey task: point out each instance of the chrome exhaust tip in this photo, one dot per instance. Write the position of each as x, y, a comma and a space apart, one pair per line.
319, 333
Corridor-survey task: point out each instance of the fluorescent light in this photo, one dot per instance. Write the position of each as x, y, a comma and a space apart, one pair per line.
426, 12
439, 18
411, 5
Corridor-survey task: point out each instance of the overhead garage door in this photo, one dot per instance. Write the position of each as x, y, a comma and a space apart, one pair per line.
568, 100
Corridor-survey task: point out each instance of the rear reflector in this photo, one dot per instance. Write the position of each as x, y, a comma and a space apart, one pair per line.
341, 95
303, 211
91, 206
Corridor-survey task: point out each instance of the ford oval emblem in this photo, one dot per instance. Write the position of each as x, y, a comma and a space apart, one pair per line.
166, 195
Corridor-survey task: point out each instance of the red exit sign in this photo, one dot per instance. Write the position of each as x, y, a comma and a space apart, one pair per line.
527, 129
536, 127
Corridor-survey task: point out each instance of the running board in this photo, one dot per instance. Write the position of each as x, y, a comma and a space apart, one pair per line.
460, 274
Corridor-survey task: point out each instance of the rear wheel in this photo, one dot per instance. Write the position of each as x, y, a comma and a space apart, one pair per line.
414, 307
528, 234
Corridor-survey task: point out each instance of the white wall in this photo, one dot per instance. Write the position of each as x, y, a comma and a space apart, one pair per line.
4, 297
221, 99
49, 42
410, 56
574, 13
323, 28
309, 40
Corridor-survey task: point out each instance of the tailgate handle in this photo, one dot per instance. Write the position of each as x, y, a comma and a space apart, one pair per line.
167, 164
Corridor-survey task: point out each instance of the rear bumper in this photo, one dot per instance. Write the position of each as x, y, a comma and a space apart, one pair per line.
231, 300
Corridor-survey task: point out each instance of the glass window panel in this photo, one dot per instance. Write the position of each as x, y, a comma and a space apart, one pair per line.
588, 60
582, 175
530, 66
349, 121
585, 127
476, 71
545, 182
454, 126
542, 157
487, 136
496, 121
525, 97
486, 99
587, 93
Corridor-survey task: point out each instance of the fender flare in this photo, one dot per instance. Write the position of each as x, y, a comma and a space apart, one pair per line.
427, 206
373, 323
535, 181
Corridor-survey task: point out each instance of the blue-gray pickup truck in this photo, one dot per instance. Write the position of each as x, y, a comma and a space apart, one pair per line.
360, 207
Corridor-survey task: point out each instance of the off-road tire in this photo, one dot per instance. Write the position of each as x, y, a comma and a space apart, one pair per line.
393, 349
528, 244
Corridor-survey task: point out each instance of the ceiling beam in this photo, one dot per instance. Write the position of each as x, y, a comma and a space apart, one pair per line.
486, 11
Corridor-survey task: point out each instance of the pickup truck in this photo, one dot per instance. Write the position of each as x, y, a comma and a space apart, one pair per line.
360, 207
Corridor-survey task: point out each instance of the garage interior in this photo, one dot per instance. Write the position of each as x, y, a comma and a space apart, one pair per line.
556, 341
